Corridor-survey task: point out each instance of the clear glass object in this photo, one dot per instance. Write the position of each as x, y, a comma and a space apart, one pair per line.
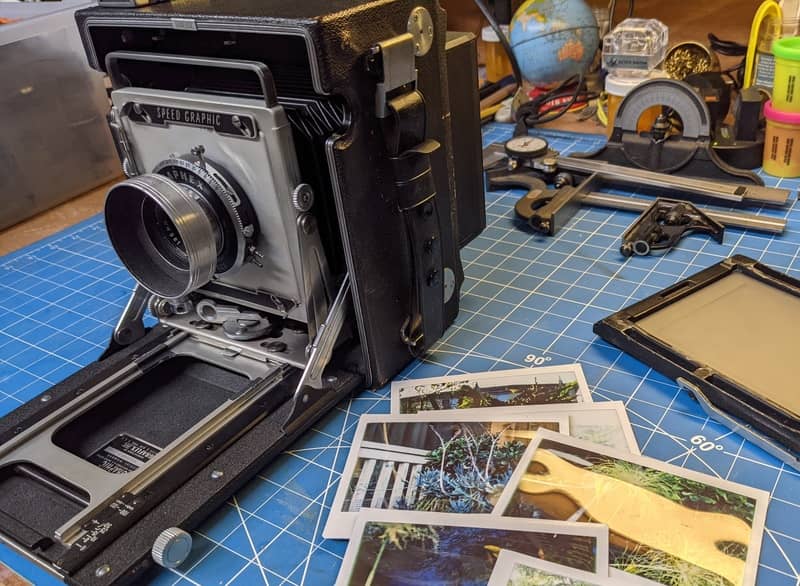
635, 45
791, 17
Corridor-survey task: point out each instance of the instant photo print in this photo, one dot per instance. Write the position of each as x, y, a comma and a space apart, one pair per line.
508, 388
453, 462
404, 547
516, 569
603, 423
664, 522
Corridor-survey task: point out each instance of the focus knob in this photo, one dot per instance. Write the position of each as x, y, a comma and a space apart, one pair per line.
303, 197
172, 547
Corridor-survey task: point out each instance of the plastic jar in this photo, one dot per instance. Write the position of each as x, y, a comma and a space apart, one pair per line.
497, 64
782, 142
617, 87
786, 92
791, 17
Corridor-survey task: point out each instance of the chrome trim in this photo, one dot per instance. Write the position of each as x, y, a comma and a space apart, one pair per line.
740, 427
190, 219
337, 194
26, 553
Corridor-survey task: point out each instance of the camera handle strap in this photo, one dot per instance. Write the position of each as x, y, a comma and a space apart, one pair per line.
410, 154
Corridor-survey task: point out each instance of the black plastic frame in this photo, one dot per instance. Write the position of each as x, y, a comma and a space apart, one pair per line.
759, 416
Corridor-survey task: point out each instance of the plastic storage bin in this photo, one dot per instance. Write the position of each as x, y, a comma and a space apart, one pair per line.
55, 142
635, 46
782, 142
786, 92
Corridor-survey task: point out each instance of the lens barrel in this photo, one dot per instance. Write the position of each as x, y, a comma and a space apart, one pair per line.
164, 234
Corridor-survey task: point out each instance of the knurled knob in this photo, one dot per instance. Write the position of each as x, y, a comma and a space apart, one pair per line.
172, 547
303, 197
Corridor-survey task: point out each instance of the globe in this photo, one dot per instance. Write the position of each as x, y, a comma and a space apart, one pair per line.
553, 39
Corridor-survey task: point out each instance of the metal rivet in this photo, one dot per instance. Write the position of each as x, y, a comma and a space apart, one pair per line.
102, 571
274, 346
217, 474
45, 398
331, 379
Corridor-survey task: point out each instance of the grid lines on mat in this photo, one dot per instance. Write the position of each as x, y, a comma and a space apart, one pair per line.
525, 297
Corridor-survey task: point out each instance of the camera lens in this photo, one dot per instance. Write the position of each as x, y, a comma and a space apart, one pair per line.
165, 235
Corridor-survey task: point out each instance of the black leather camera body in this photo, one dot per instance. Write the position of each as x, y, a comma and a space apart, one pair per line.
293, 214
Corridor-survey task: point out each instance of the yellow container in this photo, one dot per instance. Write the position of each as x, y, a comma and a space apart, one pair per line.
496, 60
782, 142
618, 87
786, 91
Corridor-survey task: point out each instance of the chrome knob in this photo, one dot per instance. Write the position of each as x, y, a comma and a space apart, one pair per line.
172, 547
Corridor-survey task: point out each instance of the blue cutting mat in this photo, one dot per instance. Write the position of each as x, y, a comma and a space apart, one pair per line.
525, 297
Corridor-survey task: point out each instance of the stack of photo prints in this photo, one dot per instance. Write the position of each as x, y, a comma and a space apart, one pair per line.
517, 478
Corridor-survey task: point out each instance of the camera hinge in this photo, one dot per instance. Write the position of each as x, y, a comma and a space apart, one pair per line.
123, 143
395, 61
312, 387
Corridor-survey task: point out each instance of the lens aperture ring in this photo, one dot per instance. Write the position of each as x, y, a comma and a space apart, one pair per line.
224, 195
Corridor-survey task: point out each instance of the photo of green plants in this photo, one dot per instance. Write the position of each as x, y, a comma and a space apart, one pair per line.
470, 394
458, 467
663, 527
392, 554
523, 575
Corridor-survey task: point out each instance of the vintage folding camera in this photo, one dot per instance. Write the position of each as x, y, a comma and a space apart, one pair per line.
292, 214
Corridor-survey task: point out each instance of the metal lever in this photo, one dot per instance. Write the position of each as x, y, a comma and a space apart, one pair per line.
131, 324
321, 348
738, 426
311, 393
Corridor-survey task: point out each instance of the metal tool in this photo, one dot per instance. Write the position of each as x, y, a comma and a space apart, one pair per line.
668, 148
662, 226
519, 156
705, 188
548, 210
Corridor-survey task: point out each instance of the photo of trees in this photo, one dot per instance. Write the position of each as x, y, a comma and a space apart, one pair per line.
458, 467
394, 554
474, 395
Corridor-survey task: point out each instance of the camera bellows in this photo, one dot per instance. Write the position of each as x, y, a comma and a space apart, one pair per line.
166, 235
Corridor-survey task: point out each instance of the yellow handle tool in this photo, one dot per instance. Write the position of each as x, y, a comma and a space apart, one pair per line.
769, 14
